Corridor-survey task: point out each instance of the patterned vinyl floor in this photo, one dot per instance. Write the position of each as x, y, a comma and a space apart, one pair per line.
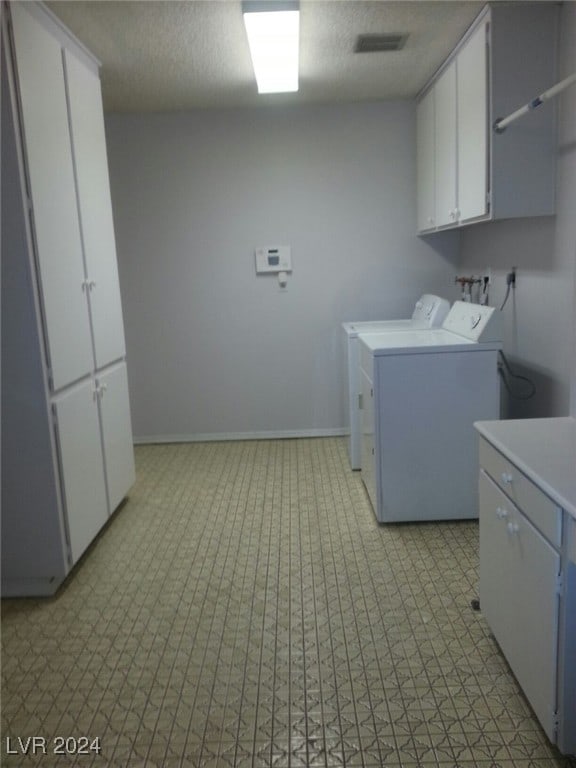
243, 608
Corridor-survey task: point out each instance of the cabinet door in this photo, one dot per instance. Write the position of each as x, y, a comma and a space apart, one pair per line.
116, 433
81, 465
518, 574
425, 161
445, 140
472, 101
89, 146
368, 440
55, 214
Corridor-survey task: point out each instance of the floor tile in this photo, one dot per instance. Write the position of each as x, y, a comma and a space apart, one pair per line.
243, 608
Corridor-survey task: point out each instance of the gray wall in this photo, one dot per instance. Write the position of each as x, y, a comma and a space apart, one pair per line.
214, 350
540, 317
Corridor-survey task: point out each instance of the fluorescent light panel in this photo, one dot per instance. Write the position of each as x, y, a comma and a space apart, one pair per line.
273, 37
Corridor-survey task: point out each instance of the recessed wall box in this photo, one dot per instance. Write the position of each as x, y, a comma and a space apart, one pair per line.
273, 258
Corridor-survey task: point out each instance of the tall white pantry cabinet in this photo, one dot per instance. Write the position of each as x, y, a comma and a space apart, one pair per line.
67, 453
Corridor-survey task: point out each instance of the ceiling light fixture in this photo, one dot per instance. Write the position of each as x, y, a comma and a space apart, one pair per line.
273, 36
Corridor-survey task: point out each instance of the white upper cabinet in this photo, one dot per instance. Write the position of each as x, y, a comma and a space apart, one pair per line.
425, 161
472, 121
70, 191
445, 147
505, 60
89, 147
53, 198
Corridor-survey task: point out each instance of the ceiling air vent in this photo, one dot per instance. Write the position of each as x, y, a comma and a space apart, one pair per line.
373, 43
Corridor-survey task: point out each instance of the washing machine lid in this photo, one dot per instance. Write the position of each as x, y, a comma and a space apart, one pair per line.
422, 342
413, 342
377, 326
429, 312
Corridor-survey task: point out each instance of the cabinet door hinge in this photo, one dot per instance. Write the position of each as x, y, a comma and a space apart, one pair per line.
69, 553
559, 583
556, 724
50, 378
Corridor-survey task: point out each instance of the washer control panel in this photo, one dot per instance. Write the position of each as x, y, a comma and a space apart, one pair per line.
430, 311
476, 322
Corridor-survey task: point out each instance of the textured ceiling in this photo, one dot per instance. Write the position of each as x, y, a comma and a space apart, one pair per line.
171, 54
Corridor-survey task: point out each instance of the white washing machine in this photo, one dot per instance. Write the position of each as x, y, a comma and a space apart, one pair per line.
421, 393
429, 312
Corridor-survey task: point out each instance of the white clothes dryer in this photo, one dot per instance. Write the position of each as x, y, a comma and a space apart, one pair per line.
429, 312
421, 393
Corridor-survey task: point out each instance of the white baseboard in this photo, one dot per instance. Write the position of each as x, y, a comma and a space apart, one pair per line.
216, 436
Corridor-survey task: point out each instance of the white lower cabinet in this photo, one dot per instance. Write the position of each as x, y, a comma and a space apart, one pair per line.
81, 465
116, 432
528, 562
519, 597
94, 439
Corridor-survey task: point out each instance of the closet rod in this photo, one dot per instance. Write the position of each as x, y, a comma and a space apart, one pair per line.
501, 124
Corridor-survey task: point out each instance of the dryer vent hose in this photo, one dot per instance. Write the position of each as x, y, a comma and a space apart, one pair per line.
508, 375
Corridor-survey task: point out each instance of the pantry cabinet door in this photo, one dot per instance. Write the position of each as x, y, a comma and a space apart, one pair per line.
116, 433
53, 196
89, 144
81, 464
472, 99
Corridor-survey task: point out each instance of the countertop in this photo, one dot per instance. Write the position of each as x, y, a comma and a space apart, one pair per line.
543, 449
